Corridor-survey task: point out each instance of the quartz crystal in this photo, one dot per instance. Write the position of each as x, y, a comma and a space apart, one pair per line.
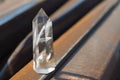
43, 54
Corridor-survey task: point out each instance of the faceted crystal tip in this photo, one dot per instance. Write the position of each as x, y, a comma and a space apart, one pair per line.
41, 17
43, 53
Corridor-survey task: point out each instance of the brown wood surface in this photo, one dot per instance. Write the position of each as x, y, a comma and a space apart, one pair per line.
68, 40
97, 58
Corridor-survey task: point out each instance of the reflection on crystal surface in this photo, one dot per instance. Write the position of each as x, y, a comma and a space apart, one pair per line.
43, 58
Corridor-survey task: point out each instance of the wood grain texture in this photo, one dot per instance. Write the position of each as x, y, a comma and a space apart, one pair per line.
97, 58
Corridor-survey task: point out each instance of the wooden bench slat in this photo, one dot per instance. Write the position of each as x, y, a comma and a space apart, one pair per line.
97, 58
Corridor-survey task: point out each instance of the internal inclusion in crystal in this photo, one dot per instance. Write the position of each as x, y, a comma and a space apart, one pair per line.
43, 54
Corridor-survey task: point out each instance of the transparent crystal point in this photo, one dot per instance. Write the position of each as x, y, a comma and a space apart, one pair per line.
43, 54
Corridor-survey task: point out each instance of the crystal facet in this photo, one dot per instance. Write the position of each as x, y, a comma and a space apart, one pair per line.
43, 54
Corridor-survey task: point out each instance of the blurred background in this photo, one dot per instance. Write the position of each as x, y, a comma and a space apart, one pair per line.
16, 27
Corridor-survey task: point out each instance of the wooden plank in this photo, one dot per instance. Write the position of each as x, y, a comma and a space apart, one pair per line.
73, 11
67, 41
97, 58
